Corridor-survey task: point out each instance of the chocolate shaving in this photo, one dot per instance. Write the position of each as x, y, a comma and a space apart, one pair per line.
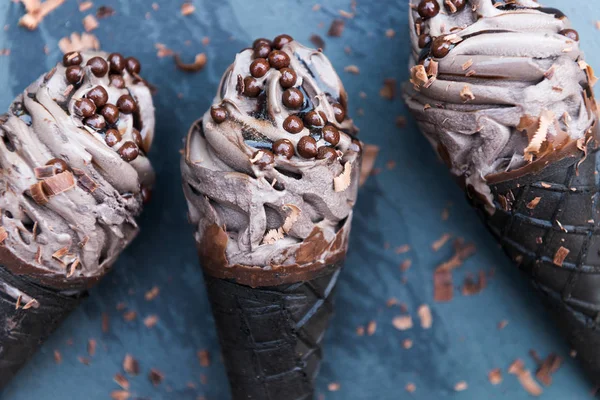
18, 303
121, 381
495, 376
548, 367
37, 11
467, 65
131, 365
59, 183
337, 28
560, 255
405, 266
91, 347
438, 244
466, 94
342, 182
388, 90
540, 135
86, 5
534, 203
352, 69
402, 322
529, 384
3, 234
60, 253
461, 253
150, 321
57, 357
204, 358
44, 172
371, 328
317, 41
77, 42
31, 303
370, 153
87, 183
105, 12
152, 293
291, 219
120, 395
418, 76
424, 313
90, 23
37, 193
472, 286
442, 286
196, 66
156, 377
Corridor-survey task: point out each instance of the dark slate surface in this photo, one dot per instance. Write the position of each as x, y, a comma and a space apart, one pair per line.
401, 205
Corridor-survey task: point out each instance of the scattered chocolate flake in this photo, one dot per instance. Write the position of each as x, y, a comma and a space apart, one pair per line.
534, 203
502, 324
87, 183
105, 322
442, 286
90, 23
86, 5
342, 182
597, 24
37, 193
560, 255
273, 235
204, 358
84, 360
466, 94
44, 172
424, 313
337, 28
333, 387
346, 14
410, 387
471, 73
57, 357
402, 322
187, 9
37, 11
401, 121
129, 316
405, 248
3, 234
370, 153
390, 33
371, 328
121, 381
388, 90
352, 69
405, 266
460, 386
60, 253
392, 301
152, 293
438, 244
407, 343
121, 306
163, 51
360, 330
467, 65
548, 367
59, 183
196, 66
529, 384
150, 321
495, 376
156, 377
317, 41
131, 365
472, 286
91, 347
105, 12
462, 252
316, 7
119, 395
18, 303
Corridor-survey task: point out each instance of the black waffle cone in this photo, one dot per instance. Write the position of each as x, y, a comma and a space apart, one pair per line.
568, 216
22, 331
271, 336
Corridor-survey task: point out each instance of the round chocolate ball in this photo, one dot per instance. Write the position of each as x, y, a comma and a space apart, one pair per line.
326, 153
281, 41
146, 193
219, 114
98, 95
293, 98
95, 122
98, 65
59, 165
74, 74
279, 59
267, 158
428, 8
315, 119
424, 40
283, 147
112, 137
339, 112
571, 34
259, 67
293, 124
129, 151
117, 63
355, 146
72, 58
85, 108
110, 113
117, 81
262, 50
252, 87
126, 104
307, 147
288, 78
440, 47
133, 65
331, 134
261, 41
137, 138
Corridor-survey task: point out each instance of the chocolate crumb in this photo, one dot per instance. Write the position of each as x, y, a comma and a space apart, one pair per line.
152, 293
442, 286
390, 33
407, 343
495, 376
86, 5
534, 203
438, 244
317, 41
352, 69
462, 252
337, 28
472, 286
371, 328
120, 395
196, 66
360, 330
460, 386
57, 357
549, 366
131, 365
402, 322
150, 321
90, 23
156, 377
424, 313
410, 387
388, 90
129, 316
333, 387
84, 360
187, 9
529, 384
121, 381
105, 12
91, 348
405, 266
204, 358
405, 248
502, 324
105, 322
560, 255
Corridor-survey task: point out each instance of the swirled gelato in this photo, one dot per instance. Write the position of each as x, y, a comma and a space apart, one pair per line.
74, 171
271, 170
497, 86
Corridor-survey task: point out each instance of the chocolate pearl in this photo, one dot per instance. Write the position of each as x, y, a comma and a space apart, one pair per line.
126, 104
307, 147
326, 153
424, 40
458, 4
72, 58
293, 124
96, 122
315, 119
440, 47
355, 146
284, 147
279, 59
340, 113
110, 113
293, 98
117, 81
259, 67
129, 151
98, 65
112, 137
267, 158
137, 138
331, 134
262, 51
288, 78
98, 95
571, 34
146, 193
133, 65
261, 41
117, 62
74, 74
251, 87
219, 114
85, 108
281, 41
59, 165
428, 8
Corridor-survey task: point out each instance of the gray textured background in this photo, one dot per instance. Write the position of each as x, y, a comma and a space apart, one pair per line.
401, 205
